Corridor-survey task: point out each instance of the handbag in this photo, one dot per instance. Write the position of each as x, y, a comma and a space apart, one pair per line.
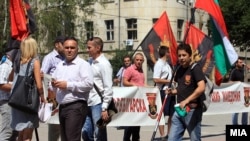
45, 111
111, 110
24, 95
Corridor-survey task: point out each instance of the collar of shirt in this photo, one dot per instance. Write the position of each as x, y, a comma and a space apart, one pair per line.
163, 61
56, 54
98, 59
72, 62
7, 61
138, 69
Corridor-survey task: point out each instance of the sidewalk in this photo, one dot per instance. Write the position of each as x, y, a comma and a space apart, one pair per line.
213, 129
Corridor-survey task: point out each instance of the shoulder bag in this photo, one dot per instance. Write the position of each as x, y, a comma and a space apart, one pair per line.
111, 110
24, 95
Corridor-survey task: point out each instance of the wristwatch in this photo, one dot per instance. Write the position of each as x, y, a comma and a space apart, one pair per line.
104, 109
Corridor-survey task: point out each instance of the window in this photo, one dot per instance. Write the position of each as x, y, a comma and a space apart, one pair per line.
109, 29
132, 28
89, 27
179, 29
108, 1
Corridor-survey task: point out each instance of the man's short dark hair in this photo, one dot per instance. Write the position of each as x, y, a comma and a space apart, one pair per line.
71, 38
98, 41
163, 50
59, 39
185, 47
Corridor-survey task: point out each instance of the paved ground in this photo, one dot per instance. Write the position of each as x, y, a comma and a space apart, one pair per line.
213, 129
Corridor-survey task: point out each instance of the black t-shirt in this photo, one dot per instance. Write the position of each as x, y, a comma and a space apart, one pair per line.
187, 80
237, 75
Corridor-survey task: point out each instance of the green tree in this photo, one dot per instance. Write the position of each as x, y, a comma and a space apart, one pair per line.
237, 18
53, 18
60, 17
4, 23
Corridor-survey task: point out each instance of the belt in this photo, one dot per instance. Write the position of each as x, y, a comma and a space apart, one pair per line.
193, 105
72, 103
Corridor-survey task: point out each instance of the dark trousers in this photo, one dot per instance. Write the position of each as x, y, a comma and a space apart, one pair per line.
132, 130
71, 117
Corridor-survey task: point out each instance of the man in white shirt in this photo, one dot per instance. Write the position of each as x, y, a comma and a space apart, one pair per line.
162, 76
72, 81
102, 71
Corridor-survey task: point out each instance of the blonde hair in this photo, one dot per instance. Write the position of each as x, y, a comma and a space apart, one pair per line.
28, 49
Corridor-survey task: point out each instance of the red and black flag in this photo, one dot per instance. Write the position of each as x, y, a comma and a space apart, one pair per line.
160, 34
22, 24
22, 20
202, 48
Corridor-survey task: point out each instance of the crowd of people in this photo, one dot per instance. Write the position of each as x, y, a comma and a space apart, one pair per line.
84, 94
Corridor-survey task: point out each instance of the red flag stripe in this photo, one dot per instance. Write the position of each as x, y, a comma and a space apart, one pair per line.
163, 29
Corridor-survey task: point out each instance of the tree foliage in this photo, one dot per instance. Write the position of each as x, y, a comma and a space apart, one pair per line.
4, 23
61, 17
237, 18
53, 18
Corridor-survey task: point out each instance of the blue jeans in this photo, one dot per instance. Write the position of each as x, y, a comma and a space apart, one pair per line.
244, 119
6, 132
90, 129
192, 122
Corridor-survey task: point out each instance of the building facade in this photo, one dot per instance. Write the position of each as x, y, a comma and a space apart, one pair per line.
125, 23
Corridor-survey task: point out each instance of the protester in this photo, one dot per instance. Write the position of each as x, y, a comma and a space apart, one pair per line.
102, 71
22, 121
162, 76
118, 79
72, 81
237, 74
191, 84
6, 133
48, 66
134, 76
126, 63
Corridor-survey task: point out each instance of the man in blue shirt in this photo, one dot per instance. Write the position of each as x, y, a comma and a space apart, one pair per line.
48, 66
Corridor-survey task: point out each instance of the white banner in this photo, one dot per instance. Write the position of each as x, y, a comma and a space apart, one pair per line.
134, 105
229, 98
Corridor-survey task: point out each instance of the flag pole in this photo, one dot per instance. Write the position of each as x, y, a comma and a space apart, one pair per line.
192, 20
163, 104
140, 43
